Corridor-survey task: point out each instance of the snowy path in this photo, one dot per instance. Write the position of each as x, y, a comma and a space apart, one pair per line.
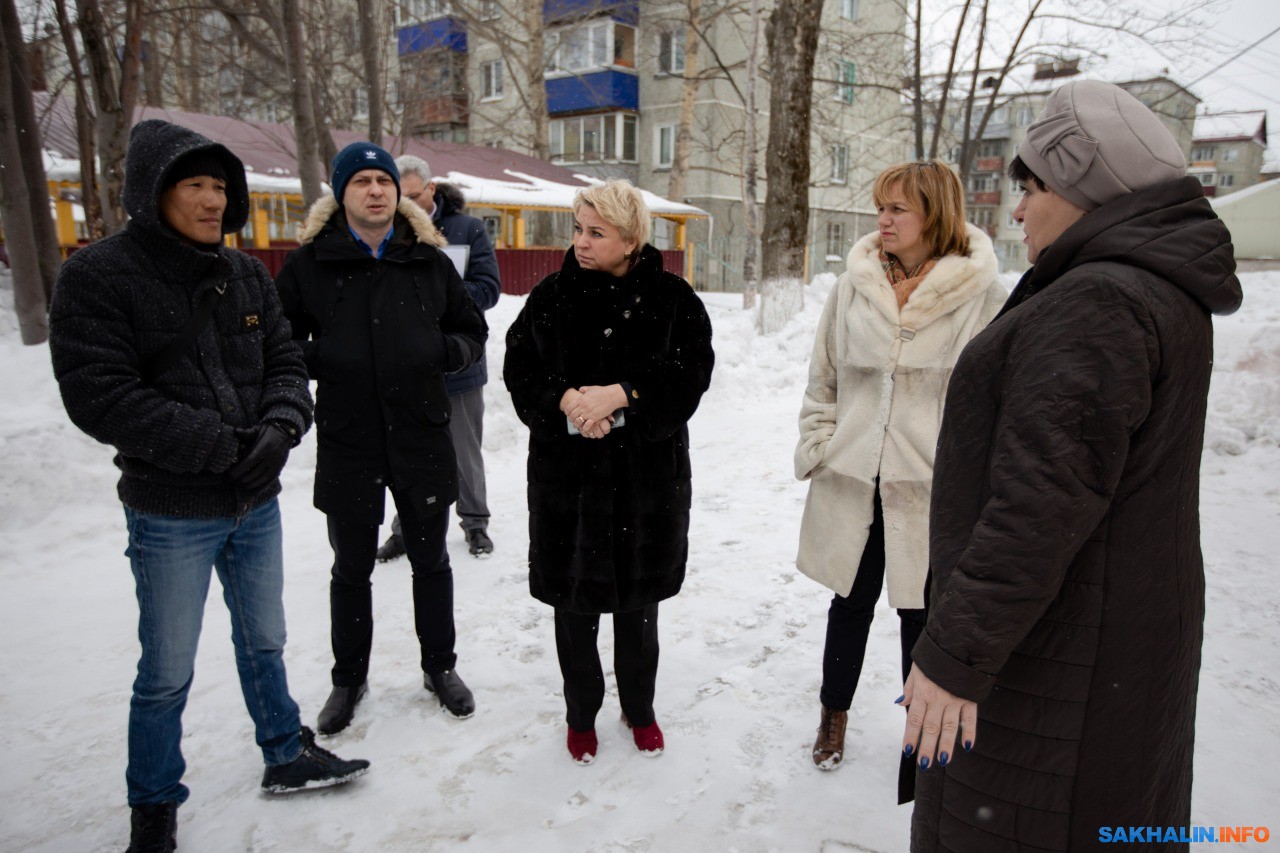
738, 684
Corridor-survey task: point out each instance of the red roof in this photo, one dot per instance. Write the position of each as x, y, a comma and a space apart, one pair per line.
268, 147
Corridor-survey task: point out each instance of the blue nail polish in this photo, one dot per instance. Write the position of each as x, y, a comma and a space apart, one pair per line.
898, 701
968, 745
942, 759
910, 749
924, 763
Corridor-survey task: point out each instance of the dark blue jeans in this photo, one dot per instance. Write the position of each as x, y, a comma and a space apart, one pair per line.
172, 560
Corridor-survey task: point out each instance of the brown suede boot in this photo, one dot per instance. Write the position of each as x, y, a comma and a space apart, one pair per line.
828, 749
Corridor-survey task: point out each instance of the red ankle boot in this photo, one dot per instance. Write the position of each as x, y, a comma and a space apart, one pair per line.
583, 745
648, 738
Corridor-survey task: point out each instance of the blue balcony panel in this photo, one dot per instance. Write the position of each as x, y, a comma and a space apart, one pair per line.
561, 11
601, 90
442, 32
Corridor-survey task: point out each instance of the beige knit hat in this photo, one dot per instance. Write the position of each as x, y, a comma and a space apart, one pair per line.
1096, 142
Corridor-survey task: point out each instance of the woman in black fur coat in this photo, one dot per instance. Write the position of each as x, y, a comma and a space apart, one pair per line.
606, 364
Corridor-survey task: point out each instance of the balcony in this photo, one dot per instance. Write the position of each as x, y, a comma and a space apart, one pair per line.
601, 90
988, 164
990, 198
448, 33
556, 11
440, 109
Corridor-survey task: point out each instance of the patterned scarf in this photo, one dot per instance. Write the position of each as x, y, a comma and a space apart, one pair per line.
904, 281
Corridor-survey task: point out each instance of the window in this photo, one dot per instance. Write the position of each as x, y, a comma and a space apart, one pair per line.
360, 102
665, 147
597, 44
490, 10
991, 148
491, 80
984, 183
846, 77
1024, 116
417, 11
1206, 178
839, 164
953, 156
611, 136
492, 227
983, 216
1226, 180
835, 239
1202, 152
671, 53
849, 10
1230, 155
1011, 222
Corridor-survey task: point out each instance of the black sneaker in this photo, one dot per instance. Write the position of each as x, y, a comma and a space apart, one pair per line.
392, 549
479, 542
454, 696
314, 767
154, 828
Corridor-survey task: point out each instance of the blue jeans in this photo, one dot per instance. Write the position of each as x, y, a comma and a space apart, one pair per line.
172, 559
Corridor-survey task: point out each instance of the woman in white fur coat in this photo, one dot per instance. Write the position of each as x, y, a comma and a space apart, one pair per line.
915, 292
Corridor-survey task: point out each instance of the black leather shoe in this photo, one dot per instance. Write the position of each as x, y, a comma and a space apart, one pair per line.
452, 693
340, 708
479, 542
154, 828
392, 549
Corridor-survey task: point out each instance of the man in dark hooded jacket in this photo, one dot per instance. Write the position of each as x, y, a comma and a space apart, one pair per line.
382, 316
172, 348
1055, 683
466, 234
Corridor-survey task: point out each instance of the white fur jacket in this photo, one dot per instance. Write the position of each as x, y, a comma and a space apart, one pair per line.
873, 408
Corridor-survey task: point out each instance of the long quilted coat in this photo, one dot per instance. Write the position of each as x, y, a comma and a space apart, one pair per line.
609, 518
1067, 594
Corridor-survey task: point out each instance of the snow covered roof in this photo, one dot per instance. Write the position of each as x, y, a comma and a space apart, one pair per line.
1228, 126
492, 177
1219, 202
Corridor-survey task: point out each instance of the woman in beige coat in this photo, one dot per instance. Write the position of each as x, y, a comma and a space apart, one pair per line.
913, 295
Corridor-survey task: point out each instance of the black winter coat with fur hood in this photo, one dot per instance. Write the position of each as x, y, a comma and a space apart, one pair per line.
609, 518
378, 336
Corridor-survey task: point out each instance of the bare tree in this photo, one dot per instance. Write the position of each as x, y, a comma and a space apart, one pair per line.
304, 113
84, 128
792, 36
372, 33
115, 96
24, 204
750, 208
678, 177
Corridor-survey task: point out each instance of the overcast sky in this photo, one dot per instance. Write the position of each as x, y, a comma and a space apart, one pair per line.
1253, 80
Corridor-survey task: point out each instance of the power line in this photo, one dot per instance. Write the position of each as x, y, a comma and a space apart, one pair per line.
1231, 59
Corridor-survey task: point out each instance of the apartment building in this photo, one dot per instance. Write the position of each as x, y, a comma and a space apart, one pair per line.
991, 196
1228, 150
597, 86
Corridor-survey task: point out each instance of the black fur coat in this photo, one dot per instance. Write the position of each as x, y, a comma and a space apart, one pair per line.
609, 518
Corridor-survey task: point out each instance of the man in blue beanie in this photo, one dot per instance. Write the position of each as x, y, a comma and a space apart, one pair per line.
382, 316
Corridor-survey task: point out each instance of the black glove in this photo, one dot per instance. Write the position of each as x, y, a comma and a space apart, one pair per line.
268, 450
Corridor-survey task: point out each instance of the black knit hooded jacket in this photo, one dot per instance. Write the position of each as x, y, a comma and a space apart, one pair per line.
120, 301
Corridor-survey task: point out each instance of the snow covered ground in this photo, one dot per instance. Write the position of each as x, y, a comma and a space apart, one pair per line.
738, 684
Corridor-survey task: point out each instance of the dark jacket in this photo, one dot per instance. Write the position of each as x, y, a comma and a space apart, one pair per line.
480, 278
1067, 593
609, 518
378, 336
120, 301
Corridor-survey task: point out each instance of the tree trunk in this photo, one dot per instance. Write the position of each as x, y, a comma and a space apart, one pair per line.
29, 298
30, 149
750, 153
688, 98
304, 117
84, 130
793, 44
370, 48
535, 25
115, 99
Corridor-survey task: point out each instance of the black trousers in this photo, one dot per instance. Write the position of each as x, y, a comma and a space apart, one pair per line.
351, 592
635, 664
849, 623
